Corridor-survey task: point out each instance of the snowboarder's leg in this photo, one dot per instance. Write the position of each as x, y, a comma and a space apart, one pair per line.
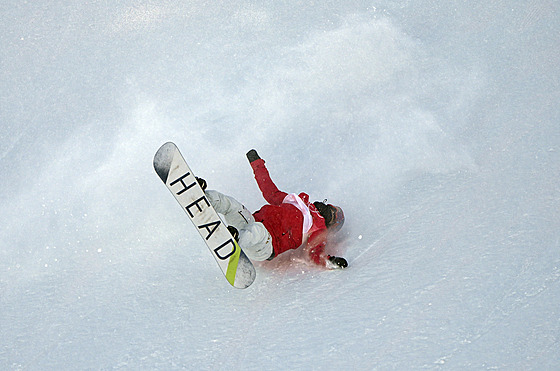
256, 242
254, 238
234, 212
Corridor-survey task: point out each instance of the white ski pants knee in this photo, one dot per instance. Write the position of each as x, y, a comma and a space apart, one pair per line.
254, 238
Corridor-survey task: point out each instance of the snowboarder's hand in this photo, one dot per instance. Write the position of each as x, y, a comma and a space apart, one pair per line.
335, 262
252, 155
202, 183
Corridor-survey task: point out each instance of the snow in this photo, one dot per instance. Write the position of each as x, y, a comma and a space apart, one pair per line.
435, 126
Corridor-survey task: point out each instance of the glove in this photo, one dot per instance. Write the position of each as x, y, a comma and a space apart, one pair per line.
334, 262
202, 183
252, 156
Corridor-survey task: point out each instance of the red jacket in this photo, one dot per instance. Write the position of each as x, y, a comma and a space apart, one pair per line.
285, 222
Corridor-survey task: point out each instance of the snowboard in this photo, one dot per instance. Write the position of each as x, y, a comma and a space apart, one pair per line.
173, 170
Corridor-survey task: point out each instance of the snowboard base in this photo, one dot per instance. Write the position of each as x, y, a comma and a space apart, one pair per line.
173, 170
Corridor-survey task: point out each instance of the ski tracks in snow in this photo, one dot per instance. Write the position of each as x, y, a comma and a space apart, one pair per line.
512, 302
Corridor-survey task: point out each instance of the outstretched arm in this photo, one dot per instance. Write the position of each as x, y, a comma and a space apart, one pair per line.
269, 190
316, 249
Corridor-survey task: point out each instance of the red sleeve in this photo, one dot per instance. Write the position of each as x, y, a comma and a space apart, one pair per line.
316, 248
269, 190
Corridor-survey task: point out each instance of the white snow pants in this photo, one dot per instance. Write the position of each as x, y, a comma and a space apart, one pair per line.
254, 238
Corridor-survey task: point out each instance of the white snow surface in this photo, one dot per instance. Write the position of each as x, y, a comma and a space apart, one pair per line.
434, 125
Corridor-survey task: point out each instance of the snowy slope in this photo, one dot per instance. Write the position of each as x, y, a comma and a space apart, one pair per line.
435, 126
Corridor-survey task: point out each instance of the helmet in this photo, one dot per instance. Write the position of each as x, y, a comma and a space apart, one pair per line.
333, 215
337, 220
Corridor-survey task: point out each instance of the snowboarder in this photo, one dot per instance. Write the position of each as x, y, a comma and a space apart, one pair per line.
287, 222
